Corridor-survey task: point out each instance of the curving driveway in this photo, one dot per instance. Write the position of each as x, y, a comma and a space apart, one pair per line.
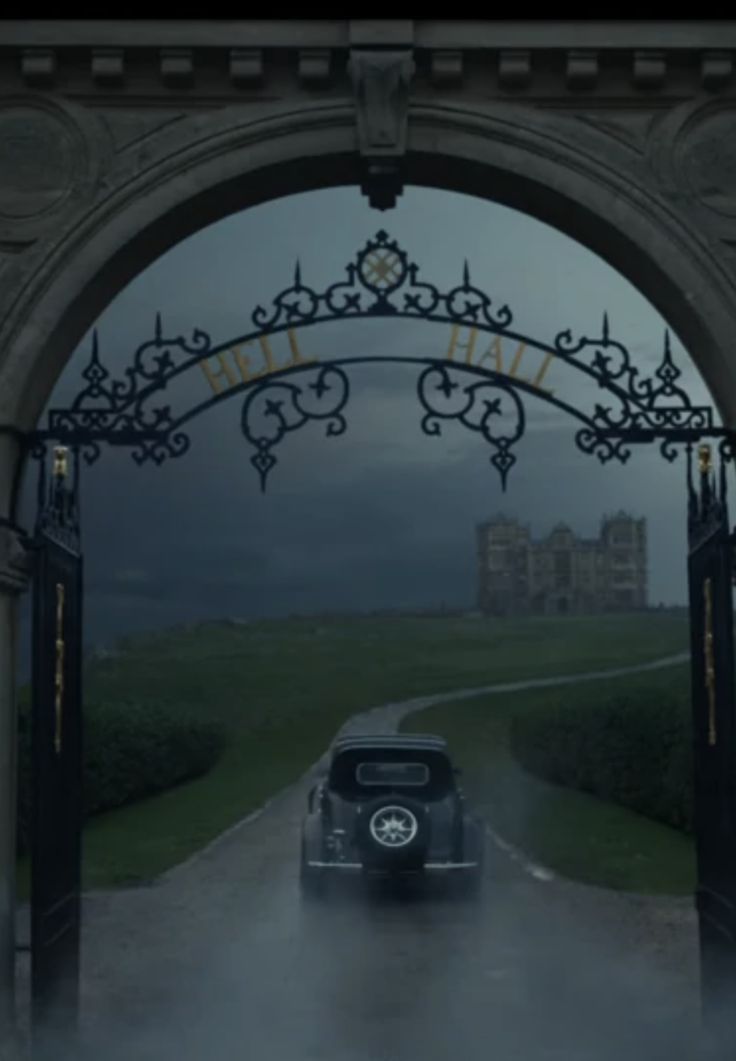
217, 960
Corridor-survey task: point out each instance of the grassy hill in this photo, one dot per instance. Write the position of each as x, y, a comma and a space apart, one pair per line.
282, 688
574, 833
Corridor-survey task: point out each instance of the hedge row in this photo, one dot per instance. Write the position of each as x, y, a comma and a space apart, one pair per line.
131, 750
634, 749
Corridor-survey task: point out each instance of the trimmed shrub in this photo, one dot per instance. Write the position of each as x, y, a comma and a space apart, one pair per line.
634, 749
131, 750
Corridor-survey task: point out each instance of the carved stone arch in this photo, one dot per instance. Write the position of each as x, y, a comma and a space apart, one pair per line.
201, 169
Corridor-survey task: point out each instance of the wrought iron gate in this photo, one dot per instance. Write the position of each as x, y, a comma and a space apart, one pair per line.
710, 568
139, 410
56, 758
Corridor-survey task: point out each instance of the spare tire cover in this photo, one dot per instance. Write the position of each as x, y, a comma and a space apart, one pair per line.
393, 828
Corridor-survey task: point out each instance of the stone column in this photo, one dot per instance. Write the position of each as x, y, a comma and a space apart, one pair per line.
14, 570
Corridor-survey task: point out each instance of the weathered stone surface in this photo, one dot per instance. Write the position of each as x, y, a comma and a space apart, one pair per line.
381, 81
710, 161
15, 562
246, 65
582, 68
626, 126
37, 161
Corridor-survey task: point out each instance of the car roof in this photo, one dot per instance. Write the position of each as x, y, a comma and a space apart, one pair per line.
418, 741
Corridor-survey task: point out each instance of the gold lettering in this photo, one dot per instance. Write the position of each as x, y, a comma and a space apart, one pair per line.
456, 345
710, 668
537, 381
213, 376
243, 362
296, 356
59, 669
517, 358
269, 362
494, 353
235, 362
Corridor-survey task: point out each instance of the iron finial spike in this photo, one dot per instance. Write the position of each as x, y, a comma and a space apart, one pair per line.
298, 275
466, 274
95, 348
606, 332
667, 348
159, 327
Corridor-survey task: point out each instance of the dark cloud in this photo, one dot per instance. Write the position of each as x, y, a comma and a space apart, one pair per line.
382, 515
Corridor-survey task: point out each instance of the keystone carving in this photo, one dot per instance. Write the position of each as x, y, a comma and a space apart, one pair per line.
381, 82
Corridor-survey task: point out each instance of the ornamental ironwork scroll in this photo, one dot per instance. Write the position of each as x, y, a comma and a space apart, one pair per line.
381, 282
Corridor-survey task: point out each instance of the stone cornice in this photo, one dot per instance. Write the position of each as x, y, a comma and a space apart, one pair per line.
223, 55
471, 34
257, 67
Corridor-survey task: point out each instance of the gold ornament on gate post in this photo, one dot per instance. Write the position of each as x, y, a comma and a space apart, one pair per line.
61, 462
705, 462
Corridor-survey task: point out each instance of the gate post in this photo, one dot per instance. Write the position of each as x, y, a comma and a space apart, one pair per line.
14, 576
56, 758
710, 572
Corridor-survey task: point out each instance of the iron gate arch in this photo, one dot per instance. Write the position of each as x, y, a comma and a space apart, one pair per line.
382, 283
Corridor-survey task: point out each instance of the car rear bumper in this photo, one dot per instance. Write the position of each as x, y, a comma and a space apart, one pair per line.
427, 867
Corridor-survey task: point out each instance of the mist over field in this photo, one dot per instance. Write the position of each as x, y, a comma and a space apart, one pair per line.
218, 958
382, 516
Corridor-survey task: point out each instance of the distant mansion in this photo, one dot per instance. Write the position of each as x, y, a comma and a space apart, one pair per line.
561, 573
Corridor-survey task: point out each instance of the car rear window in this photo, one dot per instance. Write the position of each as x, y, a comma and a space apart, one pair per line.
377, 773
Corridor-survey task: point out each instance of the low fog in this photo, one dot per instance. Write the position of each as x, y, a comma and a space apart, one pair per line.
218, 959
221, 960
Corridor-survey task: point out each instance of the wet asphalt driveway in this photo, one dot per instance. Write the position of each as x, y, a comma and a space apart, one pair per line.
221, 960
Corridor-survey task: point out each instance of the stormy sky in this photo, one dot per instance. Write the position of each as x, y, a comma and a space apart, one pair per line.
382, 516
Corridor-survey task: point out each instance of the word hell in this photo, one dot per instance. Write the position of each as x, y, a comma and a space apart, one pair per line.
493, 357
233, 366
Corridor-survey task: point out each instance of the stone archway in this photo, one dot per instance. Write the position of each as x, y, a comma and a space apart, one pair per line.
574, 179
650, 189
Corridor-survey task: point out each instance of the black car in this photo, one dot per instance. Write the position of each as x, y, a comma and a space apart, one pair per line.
390, 807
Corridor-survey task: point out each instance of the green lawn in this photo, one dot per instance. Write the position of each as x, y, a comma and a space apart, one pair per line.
282, 688
575, 834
